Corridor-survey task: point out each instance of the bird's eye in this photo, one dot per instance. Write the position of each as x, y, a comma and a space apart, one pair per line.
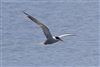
57, 38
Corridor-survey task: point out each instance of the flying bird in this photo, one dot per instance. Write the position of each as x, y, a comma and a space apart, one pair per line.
50, 39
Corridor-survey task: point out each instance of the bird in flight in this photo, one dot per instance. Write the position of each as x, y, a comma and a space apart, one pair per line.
50, 39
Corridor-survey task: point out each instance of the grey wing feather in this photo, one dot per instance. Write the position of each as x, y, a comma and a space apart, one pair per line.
68, 34
44, 27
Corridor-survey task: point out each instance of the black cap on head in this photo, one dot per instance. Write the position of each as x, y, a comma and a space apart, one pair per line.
58, 38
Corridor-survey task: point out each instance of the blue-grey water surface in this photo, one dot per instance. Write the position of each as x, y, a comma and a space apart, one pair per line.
21, 37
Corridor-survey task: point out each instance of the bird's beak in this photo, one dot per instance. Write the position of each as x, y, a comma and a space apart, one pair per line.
61, 40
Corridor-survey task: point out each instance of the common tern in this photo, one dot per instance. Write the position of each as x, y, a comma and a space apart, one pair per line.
50, 39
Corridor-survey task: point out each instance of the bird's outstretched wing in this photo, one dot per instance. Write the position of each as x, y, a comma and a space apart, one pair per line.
66, 35
44, 27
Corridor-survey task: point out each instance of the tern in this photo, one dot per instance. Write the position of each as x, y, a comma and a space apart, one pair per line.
50, 39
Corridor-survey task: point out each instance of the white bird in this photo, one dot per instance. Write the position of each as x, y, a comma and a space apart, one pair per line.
50, 39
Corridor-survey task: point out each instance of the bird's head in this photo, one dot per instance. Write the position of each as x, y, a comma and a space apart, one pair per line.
58, 38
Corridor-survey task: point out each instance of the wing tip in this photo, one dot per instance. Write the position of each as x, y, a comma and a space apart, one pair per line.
25, 13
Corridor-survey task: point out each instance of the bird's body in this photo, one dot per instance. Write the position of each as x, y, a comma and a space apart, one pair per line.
50, 39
